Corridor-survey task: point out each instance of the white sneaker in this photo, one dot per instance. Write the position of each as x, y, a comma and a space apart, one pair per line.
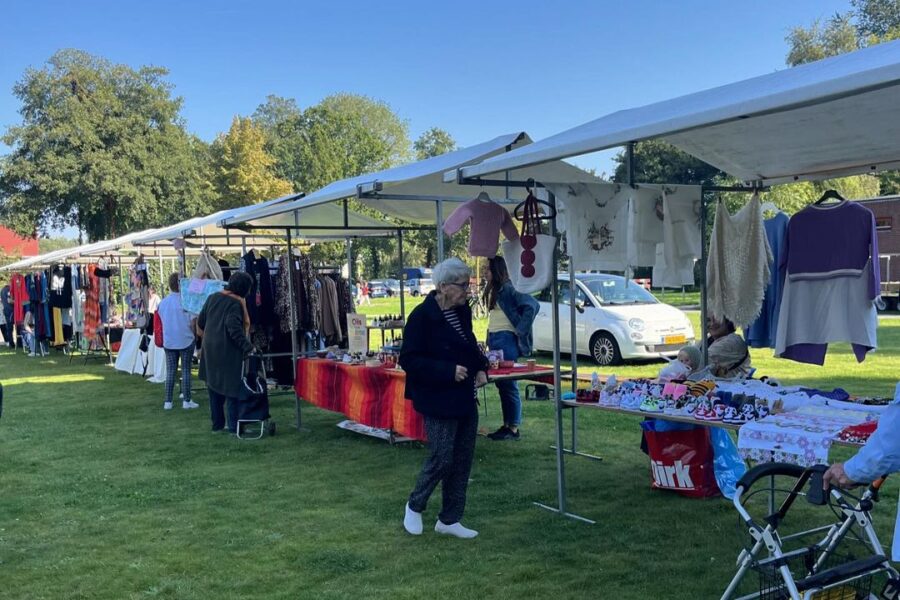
189, 404
456, 530
412, 521
167, 406
31, 355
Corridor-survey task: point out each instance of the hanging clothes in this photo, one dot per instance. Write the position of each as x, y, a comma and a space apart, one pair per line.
682, 244
832, 280
329, 311
487, 219
58, 337
207, 268
285, 310
138, 293
18, 294
61, 287
45, 305
226, 269
595, 218
738, 269
91, 303
763, 331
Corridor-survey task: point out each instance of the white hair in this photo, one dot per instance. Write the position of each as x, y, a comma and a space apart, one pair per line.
451, 270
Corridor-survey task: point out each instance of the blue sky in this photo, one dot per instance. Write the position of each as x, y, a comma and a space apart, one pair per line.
476, 69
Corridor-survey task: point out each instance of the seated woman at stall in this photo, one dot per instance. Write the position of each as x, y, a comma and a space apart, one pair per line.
729, 355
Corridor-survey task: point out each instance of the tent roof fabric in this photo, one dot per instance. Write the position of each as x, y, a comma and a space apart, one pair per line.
210, 226
419, 183
836, 116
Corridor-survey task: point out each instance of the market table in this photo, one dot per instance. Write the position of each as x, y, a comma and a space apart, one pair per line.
374, 396
674, 418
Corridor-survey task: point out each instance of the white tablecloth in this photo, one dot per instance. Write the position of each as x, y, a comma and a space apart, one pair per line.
131, 360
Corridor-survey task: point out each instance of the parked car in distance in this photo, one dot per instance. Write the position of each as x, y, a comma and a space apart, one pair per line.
419, 287
616, 320
377, 289
384, 288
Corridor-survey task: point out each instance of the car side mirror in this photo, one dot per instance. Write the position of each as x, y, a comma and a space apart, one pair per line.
579, 306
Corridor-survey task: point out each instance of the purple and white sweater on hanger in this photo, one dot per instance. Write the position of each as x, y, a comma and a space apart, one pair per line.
831, 282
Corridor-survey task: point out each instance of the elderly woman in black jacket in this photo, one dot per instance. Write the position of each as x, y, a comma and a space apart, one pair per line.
444, 366
224, 325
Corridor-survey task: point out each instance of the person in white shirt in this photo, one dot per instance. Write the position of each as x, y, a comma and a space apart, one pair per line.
178, 342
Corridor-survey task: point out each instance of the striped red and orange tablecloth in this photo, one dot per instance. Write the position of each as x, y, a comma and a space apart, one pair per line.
373, 396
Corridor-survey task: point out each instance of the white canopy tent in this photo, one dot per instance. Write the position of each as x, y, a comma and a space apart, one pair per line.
415, 192
834, 117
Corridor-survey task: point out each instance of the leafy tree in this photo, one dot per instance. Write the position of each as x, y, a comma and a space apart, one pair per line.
433, 142
53, 244
878, 18
242, 167
656, 161
837, 36
101, 146
870, 22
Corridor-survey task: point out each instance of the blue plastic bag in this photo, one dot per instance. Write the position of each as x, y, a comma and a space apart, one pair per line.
728, 466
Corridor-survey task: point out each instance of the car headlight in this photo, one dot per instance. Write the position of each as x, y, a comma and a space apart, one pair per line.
636, 324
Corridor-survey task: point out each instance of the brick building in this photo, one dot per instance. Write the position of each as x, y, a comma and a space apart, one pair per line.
887, 220
12, 244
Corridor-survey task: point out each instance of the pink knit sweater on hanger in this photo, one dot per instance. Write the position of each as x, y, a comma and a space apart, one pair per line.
488, 219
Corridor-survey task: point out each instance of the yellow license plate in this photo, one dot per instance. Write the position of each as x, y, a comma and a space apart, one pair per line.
674, 339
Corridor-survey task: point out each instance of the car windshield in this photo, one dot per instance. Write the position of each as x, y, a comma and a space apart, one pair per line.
617, 290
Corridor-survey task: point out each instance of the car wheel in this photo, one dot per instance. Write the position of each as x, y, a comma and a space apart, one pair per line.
605, 350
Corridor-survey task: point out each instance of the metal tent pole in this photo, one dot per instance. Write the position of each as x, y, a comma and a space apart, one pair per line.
557, 385
293, 314
402, 295
439, 218
704, 257
350, 275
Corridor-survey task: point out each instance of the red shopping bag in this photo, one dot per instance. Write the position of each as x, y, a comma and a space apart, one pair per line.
681, 460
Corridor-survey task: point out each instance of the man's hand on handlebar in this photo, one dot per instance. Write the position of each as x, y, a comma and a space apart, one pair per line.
837, 477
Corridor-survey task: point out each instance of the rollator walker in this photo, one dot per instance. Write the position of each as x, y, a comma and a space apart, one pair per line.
838, 561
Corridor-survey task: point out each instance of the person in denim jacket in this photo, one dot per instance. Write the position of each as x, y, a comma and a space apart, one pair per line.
510, 317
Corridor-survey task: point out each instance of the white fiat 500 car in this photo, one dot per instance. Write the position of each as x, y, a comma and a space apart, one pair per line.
616, 319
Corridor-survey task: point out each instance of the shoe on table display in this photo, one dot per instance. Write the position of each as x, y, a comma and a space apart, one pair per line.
650, 405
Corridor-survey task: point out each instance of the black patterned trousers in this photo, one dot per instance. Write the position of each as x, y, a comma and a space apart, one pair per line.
172, 357
452, 445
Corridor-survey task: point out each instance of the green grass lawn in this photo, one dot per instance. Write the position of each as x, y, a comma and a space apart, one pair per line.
105, 496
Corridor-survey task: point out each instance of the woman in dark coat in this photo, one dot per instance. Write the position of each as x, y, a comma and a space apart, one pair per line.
224, 325
444, 366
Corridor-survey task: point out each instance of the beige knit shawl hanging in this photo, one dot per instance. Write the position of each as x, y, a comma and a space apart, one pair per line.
738, 268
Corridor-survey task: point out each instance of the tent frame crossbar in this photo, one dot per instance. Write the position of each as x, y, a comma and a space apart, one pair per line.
387, 232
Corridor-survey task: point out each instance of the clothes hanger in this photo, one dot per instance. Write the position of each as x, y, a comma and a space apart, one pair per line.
549, 210
830, 195
483, 197
769, 206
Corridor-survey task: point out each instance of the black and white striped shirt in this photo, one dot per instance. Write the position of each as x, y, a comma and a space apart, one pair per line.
453, 319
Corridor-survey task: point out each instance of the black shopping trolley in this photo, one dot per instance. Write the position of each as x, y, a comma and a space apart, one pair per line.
795, 559
254, 419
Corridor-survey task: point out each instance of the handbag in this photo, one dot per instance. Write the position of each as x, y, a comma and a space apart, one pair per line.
157, 330
530, 258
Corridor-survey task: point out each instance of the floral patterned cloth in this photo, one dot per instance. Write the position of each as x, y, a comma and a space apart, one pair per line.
801, 439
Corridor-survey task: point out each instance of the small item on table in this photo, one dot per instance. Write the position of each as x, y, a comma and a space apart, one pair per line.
530, 364
507, 364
